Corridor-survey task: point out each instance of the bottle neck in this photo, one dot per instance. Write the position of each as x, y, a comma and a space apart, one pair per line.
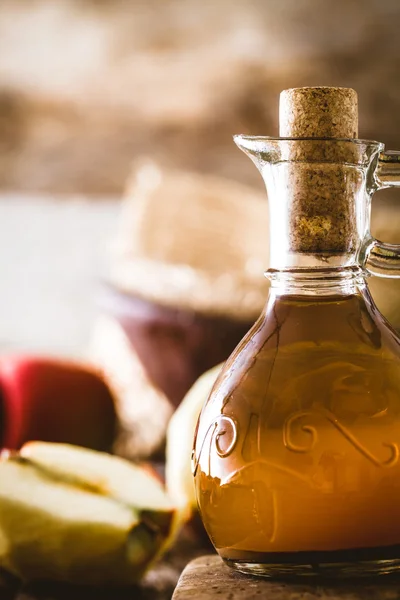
319, 215
319, 193
344, 281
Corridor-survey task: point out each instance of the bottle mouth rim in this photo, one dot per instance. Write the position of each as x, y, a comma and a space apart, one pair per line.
275, 150
267, 138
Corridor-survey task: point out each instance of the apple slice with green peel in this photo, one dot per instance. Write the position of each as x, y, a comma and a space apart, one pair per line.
54, 526
107, 474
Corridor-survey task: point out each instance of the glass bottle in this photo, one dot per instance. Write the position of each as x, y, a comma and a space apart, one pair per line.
296, 455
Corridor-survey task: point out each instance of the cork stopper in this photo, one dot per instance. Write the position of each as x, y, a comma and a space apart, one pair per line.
320, 176
323, 112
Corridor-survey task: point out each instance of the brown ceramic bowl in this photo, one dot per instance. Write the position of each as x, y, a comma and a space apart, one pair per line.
174, 345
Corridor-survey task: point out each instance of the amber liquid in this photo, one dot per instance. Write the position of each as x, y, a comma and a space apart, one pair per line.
297, 450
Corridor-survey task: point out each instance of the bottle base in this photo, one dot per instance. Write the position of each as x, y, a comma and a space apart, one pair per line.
328, 565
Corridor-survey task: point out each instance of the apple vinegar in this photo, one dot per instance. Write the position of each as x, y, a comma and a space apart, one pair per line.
302, 452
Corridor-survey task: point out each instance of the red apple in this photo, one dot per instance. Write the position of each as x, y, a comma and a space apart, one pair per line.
54, 400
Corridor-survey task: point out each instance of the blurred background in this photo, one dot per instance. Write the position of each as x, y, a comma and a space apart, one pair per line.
88, 87
133, 232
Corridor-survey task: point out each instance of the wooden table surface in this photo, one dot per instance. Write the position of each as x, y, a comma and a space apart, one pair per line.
208, 578
205, 578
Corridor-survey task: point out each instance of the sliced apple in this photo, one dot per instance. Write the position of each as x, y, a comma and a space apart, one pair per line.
105, 474
55, 525
180, 434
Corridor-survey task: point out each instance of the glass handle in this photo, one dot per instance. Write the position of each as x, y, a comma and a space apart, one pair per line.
383, 260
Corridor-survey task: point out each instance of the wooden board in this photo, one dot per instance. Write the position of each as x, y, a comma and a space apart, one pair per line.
207, 578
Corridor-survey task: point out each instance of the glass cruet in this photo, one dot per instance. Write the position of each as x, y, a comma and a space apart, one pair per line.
296, 453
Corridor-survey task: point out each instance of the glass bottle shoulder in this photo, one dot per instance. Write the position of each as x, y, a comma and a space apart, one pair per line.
305, 347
